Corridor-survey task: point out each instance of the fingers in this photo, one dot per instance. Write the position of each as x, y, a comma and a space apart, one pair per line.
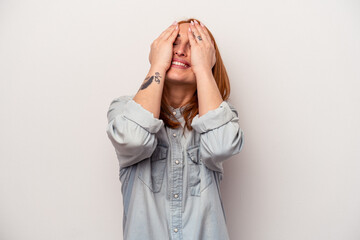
206, 32
201, 30
200, 34
196, 35
174, 34
191, 37
165, 34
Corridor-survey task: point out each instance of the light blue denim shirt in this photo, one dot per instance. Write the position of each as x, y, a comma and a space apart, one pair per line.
170, 182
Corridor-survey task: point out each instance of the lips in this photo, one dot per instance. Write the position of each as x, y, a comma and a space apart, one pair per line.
180, 60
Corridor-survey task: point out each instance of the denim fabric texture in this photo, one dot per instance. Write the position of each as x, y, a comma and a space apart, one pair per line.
170, 182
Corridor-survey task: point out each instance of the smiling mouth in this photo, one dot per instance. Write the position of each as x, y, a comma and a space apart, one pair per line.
179, 65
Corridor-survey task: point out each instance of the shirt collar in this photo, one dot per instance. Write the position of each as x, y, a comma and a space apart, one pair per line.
178, 110
177, 113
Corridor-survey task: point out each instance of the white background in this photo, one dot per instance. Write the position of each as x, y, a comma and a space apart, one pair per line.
295, 78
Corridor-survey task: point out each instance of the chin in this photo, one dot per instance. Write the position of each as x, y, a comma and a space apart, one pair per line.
175, 75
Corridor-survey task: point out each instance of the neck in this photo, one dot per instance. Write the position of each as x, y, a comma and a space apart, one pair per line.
178, 95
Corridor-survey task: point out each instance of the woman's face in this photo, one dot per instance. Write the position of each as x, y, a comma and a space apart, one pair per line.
181, 52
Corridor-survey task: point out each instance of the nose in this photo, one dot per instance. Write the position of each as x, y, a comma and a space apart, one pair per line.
180, 50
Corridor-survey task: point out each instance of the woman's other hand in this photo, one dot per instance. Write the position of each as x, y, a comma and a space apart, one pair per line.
202, 48
161, 52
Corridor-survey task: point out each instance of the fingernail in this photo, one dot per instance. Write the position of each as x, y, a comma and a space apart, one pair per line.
189, 29
174, 23
192, 23
202, 24
177, 26
196, 22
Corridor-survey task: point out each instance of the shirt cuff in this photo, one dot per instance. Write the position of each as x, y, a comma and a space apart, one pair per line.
213, 119
136, 113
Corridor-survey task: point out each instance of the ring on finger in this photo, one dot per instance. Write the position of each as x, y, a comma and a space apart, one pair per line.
199, 37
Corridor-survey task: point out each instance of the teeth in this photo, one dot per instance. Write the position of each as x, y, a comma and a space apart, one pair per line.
179, 63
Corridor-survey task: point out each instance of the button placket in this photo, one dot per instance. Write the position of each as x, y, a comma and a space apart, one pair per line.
176, 182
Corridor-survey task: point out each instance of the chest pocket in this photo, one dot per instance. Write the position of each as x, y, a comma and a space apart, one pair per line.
151, 170
199, 176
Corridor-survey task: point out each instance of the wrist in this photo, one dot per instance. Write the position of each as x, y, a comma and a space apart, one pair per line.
158, 68
202, 71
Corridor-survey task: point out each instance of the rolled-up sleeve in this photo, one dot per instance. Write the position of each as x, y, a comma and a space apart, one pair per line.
220, 135
131, 129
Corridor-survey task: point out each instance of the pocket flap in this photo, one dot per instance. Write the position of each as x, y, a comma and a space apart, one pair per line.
159, 153
194, 154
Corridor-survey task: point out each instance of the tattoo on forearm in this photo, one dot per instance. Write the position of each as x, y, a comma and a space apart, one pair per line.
149, 80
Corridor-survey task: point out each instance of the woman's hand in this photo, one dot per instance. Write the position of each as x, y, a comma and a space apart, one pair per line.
202, 48
161, 52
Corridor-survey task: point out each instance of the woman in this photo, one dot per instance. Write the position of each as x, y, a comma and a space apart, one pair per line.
172, 137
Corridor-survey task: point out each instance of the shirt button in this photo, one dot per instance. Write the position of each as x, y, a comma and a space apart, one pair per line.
175, 230
174, 134
177, 161
176, 196
174, 113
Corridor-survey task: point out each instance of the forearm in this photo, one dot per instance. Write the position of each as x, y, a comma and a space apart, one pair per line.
150, 93
209, 96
